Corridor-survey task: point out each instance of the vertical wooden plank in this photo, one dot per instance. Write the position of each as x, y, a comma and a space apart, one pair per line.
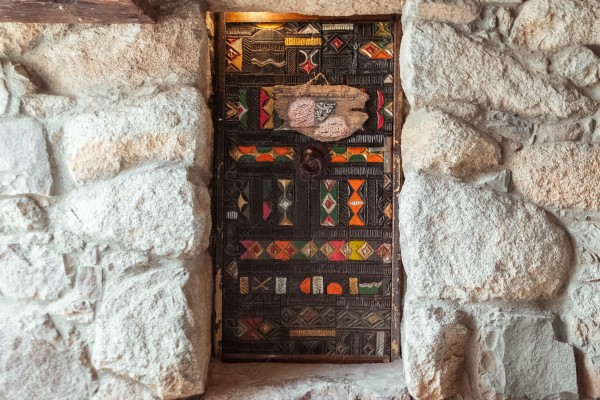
397, 269
218, 180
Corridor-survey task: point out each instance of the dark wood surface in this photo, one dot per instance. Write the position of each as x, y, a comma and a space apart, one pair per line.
76, 11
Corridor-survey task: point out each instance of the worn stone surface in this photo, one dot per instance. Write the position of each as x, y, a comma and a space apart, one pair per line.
440, 65
520, 356
458, 12
24, 165
154, 328
258, 381
124, 55
156, 210
45, 106
438, 142
559, 133
461, 242
562, 175
535, 363
172, 126
31, 271
499, 181
548, 25
317, 7
35, 361
434, 340
579, 64
111, 387
21, 214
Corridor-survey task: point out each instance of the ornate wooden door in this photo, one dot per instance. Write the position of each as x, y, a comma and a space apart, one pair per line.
304, 229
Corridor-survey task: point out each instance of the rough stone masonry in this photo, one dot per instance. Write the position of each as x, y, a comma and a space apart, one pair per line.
105, 159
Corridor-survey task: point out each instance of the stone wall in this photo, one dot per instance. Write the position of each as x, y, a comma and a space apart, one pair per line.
500, 208
105, 157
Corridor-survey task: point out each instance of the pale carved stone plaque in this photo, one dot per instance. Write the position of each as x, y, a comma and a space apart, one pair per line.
325, 113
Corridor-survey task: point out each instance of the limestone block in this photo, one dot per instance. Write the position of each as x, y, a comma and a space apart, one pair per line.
21, 214
585, 292
579, 64
434, 343
170, 126
590, 378
31, 272
438, 142
45, 105
17, 38
471, 243
119, 262
124, 55
520, 357
24, 165
496, 180
316, 7
113, 387
440, 65
562, 175
548, 25
559, 133
156, 210
154, 329
36, 363
458, 12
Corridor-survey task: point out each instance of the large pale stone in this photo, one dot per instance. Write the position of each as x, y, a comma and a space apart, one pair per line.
440, 65
124, 55
45, 106
535, 363
520, 356
434, 343
457, 12
562, 175
579, 64
472, 243
20, 214
112, 387
156, 210
154, 328
266, 380
316, 7
436, 141
24, 165
172, 126
585, 292
35, 361
31, 272
548, 25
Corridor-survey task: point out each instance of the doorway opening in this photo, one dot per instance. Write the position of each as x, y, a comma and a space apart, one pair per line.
307, 264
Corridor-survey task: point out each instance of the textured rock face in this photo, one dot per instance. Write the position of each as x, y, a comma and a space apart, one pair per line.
131, 55
548, 25
156, 210
463, 12
440, 65
579, 64
172, 126
20, 214
113, 387
154, 328
24, 165
318, 7
562, 175
433, 345
520, 357
460, 242
35, 362
437, 141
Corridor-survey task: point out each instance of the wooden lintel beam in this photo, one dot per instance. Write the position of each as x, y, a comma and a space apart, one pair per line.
76, 11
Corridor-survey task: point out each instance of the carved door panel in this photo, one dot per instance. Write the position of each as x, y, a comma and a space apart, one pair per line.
304, 243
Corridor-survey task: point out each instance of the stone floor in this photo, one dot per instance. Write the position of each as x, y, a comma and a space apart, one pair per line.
275, 381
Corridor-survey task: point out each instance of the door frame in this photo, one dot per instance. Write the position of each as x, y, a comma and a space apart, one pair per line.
221, 19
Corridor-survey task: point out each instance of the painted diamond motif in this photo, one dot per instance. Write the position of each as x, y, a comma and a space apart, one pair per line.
345, 249
327, 249
373, 319
329, 203
266, 327
232, 270
365, 251
310, 249
385, 252
337, 43
308, 315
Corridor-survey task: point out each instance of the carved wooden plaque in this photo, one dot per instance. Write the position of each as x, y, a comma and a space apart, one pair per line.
304, 227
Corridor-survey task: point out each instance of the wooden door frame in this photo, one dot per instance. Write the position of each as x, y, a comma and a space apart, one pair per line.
218, 168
